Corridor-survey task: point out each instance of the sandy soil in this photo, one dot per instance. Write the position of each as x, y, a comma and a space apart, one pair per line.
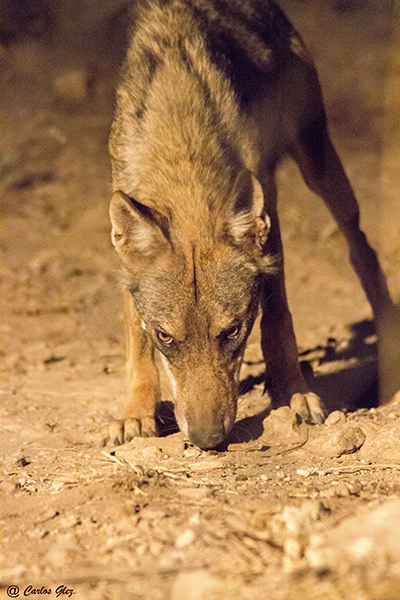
283, 510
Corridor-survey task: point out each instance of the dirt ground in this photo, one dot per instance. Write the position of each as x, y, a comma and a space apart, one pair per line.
282, 510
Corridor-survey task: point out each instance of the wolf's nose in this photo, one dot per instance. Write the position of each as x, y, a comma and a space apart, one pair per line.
207, 438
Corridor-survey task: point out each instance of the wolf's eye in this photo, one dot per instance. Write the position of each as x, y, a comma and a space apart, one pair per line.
164, 338
233, 332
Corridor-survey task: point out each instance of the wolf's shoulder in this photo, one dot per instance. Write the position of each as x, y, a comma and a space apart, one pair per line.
247, 40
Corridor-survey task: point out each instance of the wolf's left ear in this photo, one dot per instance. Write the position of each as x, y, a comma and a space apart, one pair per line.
246, 218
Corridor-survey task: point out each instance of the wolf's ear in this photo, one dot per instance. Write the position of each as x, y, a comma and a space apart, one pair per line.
246, 218
136, 229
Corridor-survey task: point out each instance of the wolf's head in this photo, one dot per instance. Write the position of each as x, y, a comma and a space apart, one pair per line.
197, 292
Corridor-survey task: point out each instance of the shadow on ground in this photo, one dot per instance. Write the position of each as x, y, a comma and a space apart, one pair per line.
348, 379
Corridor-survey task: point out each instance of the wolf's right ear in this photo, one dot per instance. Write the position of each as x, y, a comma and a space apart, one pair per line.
136, 229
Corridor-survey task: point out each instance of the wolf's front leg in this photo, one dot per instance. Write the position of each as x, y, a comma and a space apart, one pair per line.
142, 385
284, 378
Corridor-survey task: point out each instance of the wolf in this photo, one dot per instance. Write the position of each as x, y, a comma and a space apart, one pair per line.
213, 94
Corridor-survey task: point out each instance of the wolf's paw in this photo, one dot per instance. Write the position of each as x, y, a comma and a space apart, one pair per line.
309, 406
121, 431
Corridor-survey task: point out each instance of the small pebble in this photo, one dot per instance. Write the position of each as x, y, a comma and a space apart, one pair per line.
304, 472
7, 486
192, 452
335, 418
185, 538
354, 487
341, 490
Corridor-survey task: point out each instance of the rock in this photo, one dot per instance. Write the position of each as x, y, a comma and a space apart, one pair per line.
305, 472
185, 538
151, 448
334, 442
283, 427
361, 542
7, 486
382, 443
354, 486
291, 530
347, 440
342, 489
337, 417
172, 445
192, 452
198, 585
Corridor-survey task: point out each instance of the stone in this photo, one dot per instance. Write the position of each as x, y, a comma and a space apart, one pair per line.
360, 542
185, 538
336, 441
382, 443
151, 448
291, 530
283, 427
337, 417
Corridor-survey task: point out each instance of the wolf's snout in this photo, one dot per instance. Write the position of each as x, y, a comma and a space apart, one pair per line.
205, 437
209, 430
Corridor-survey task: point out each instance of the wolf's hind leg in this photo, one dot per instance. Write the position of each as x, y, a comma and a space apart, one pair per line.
323, 172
